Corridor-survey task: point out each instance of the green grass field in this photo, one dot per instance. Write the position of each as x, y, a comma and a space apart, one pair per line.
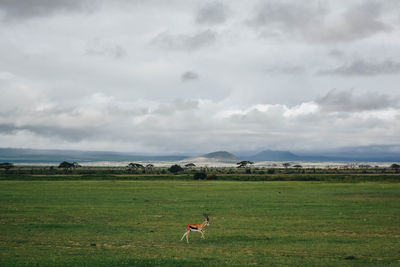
140, 223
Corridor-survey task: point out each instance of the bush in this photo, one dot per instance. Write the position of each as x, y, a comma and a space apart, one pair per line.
200, 175
212, 177
175, 169
271, 171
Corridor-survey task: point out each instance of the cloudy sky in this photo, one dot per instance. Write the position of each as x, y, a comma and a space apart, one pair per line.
188, 76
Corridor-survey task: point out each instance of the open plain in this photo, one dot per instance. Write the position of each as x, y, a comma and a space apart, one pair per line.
140, 223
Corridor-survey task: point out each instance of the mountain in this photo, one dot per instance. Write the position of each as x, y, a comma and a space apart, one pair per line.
221, 155
218, 156
54, 156
372, 153
267, 155
377, 153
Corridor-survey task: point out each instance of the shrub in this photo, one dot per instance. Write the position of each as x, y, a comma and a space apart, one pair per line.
271, 171
200, 175
212, 177
175, 169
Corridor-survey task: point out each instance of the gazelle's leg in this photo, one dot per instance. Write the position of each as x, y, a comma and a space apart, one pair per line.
187, 237
185, 234
202, 234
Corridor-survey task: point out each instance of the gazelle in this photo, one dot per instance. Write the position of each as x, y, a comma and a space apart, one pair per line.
196, 228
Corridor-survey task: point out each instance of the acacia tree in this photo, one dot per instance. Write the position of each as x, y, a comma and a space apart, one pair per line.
67, 166
190, 165
298, 167
149, 168
244, 164
6, 166
134, 166
286, 165
175, 169
395, 167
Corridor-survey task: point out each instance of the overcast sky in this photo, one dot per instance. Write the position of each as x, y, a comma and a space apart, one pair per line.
187, 76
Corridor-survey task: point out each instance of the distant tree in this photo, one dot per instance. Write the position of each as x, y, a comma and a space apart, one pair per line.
395, 167
67, 166
298, 167
175, 169
149, 168
190, 165
6, 166
244, 164
134, 166
286, 165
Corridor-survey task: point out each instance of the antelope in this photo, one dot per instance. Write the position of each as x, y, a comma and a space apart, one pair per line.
196, 228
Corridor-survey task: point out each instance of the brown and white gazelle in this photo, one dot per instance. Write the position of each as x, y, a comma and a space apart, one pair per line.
196, 228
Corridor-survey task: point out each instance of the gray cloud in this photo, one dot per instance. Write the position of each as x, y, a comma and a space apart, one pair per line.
285, 69
336, 53
285, 14
189, 76
185, 42
347, 101
7, 128
278, 16
68, 134
15, 9
364, 68
99, 48
212, 14
360, 21
314, 21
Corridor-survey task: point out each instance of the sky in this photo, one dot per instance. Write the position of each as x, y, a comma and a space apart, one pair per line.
188, 76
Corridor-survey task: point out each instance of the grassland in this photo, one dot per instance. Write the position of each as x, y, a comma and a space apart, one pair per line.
125, 223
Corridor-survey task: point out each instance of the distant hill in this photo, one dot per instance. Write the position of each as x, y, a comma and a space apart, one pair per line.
218, 156
221, 155
377, 153
267, 155
54, 156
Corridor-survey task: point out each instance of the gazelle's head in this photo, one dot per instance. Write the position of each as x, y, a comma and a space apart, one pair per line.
207, 221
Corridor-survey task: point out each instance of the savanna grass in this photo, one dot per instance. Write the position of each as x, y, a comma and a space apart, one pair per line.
140, 223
